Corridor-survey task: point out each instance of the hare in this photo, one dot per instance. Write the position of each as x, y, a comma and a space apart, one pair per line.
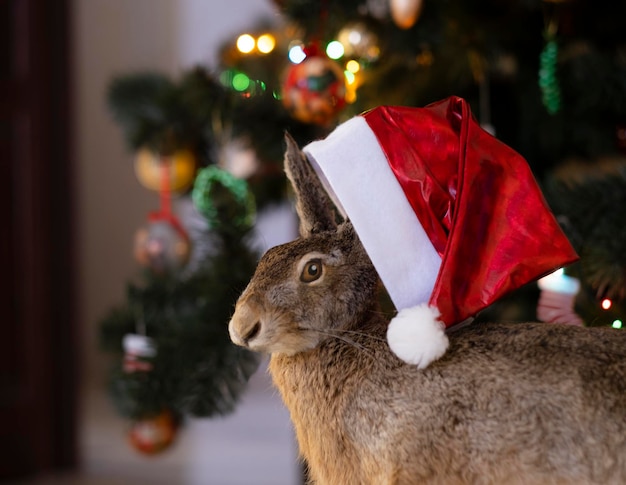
506, 404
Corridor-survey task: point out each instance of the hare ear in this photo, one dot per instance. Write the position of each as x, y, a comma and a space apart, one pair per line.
312, 202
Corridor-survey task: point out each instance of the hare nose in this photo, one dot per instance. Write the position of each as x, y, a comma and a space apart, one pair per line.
253, 332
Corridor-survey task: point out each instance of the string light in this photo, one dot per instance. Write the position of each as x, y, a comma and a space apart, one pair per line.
240, 82
617, 324
606, 304
245, 43
265, 43
296, 54
335, 50
353, 66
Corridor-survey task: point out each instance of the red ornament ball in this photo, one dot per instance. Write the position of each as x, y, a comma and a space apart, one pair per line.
154, 434
314, 90
162, 246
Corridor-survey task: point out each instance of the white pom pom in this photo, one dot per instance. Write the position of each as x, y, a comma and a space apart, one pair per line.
417, 336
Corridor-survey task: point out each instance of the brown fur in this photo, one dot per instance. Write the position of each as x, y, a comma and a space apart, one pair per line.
507, 404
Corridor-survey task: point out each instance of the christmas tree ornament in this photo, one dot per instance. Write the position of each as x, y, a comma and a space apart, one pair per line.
223, 199
180, 170
138, 352
548, 80
359, 41
557, 299
469, 224
153, 434
162, 245
405, 12
239, 158
314, 90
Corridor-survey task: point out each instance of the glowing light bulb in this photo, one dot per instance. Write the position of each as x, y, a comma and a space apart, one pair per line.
296, 54
266, 43
335, 50
353, 66
245, 43
606, 304
617, 324
350, 78
241, 82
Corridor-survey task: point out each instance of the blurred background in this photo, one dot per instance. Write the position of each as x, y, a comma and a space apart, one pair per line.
141, 145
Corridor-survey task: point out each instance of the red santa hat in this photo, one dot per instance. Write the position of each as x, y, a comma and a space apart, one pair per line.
451, 218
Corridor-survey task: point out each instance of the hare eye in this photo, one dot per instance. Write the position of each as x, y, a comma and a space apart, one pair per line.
312, 270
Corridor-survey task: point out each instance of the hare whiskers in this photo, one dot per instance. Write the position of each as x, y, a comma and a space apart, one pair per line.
361, 334
339, 337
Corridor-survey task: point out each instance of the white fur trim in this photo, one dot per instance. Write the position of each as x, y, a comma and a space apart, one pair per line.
356, 174
417, 336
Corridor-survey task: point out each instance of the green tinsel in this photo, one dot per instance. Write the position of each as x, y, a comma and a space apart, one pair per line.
548, 81
222, 198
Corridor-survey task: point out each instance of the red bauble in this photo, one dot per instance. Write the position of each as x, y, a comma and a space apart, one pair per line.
314, 91
162, 246
154, 434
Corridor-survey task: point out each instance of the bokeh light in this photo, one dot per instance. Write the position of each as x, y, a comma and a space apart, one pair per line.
296, 54
335, 50
245, 43
353, 66
240, 82
266, 43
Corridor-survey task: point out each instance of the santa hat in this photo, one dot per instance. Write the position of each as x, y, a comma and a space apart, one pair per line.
451, 218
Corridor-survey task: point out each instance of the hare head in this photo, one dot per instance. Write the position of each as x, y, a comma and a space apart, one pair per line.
306, 289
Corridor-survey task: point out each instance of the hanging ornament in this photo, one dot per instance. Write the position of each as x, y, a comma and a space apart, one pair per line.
139, 350
359, 41
162, 245
314, 90
405, 12
556, 300
223, 199
239, 158
154, 434
180, 167
548, 81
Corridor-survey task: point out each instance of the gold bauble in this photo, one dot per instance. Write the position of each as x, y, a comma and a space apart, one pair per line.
181, 166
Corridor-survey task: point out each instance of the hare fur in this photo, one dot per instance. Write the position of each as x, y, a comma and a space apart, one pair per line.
507, 403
